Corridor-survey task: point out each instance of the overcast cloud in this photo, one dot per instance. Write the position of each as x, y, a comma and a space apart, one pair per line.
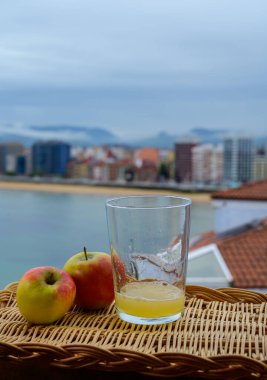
134, 67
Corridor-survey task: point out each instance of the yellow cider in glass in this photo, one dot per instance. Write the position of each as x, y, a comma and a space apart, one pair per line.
150, 299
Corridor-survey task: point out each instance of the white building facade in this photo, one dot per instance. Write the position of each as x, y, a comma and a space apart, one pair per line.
207, 164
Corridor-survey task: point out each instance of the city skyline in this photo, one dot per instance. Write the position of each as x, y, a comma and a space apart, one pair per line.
134, 68
229, 164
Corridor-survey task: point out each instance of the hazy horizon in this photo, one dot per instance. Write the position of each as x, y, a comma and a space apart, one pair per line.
134, 68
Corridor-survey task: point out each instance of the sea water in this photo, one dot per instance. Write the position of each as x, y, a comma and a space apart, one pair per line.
44, 228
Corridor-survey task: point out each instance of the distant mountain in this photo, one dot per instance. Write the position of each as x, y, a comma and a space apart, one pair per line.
78, 134
75, 135
88, 136
205, 135
209, 136
25, 140
166, 140
161, 140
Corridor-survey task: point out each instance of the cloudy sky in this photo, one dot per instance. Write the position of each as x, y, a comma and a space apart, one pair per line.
134, 67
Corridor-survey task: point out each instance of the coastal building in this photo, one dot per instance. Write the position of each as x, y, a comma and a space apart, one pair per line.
207, 164
260, 167
9, 152
117, 170
166, 166
234, 207
21, 165
238, 160
98, 171
146, 164
50, 158
183, 161
147, 154
2, 158
78, 168
104, 164
122, 152
147, 172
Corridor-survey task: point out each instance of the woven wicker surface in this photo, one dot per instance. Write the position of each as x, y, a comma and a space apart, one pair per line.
222, 333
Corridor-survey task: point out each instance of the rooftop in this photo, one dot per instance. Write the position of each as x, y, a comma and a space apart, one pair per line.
256, 191
148, 154
244, 251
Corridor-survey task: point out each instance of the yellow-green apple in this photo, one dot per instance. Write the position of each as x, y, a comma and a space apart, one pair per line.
92, 274
45, 294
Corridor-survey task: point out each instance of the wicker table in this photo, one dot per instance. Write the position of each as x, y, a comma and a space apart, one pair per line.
221, 335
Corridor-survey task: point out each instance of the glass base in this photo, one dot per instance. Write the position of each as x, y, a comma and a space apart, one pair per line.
148, 321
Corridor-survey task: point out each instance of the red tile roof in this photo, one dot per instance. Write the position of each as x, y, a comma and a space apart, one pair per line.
148, 154
245, 254
256, 191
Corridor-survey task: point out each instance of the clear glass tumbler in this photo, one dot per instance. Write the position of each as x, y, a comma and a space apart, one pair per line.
149, 248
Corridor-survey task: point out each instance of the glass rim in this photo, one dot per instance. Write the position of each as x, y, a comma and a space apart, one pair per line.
187, 202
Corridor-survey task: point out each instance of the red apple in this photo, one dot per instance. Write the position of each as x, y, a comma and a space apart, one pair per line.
45, 294
92, 274
119, 269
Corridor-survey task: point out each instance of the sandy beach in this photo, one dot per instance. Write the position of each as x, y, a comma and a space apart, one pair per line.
96, 190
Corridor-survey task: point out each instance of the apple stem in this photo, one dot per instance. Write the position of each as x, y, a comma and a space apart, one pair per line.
85, 253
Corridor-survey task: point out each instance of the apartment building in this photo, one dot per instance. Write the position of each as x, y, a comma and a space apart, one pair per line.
207, 164
238, 159
183, 161
50, 157
260, 167
10, 152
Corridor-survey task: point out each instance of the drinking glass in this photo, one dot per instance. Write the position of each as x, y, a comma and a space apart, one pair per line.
149, 237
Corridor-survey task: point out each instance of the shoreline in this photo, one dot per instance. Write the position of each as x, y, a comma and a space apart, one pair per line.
97, 190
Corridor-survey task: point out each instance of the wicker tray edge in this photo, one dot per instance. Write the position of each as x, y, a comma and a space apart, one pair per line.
166, 365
